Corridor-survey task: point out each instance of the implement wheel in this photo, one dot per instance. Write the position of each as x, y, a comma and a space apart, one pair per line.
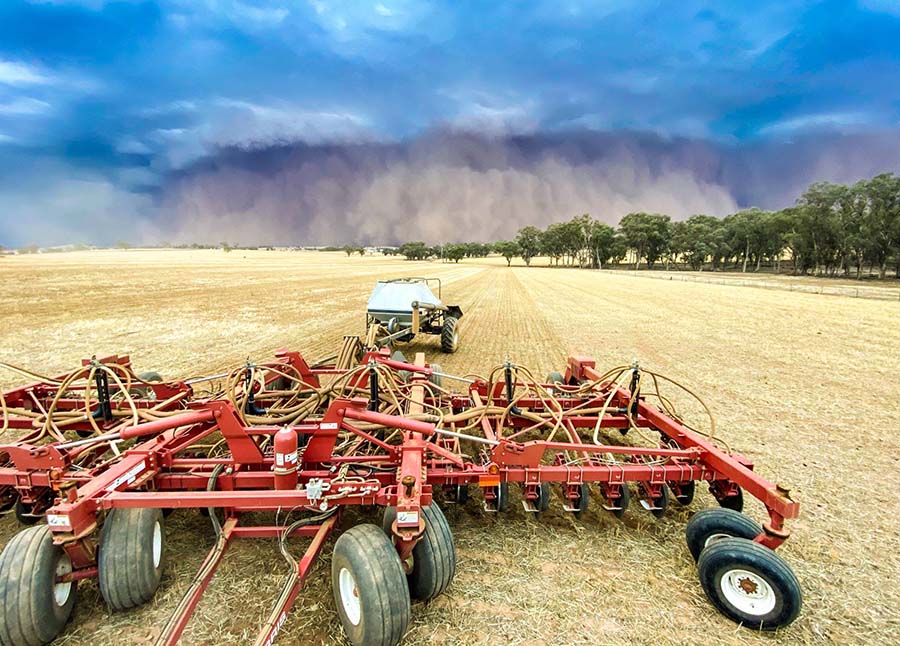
132, 548
35, 606
433, 557
710, 525
750, 584
369, 586
450, 335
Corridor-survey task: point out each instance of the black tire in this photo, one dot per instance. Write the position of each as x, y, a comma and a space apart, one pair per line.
397, 355
34, 610
437, 380
131, 556
750, 584
461, 494
582, 501
710, 525
376, 580
143, 391
683, 492
434, 557
449, 335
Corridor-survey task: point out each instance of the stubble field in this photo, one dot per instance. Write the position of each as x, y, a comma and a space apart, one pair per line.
805, 385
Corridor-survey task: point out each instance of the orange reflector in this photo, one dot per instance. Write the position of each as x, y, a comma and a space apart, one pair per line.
489, 480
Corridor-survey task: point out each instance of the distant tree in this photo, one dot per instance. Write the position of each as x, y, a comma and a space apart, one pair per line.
121, 244
881, 225
529, 241
415, 250
553, 241
454, 251
226, 247
600, 243
694, 240
508, 249
349, 250
647, 234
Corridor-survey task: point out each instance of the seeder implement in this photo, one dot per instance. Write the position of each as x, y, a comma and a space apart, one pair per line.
304, 441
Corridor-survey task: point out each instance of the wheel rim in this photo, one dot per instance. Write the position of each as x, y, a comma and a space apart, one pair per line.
712, 538
62, 590
349, 596
748, 592
157, 544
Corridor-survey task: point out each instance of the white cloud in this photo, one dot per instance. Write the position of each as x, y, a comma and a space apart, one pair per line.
243, 15
382, 10
24, 106
13, 73
132, 146
169, 108
882, 6
243, 122
826, 121
94, 5
56, 204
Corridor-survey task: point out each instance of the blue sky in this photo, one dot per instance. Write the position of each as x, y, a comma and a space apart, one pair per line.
102, 103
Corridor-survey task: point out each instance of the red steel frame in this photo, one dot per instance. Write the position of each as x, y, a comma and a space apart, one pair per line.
160, 470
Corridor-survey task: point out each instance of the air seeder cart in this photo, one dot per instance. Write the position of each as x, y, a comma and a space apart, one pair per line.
304, 441
400, 309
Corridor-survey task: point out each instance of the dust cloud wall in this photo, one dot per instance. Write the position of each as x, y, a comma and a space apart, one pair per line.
456, 186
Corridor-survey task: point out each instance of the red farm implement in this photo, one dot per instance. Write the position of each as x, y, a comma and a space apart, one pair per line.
104, 455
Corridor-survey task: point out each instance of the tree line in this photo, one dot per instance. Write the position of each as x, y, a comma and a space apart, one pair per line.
833, 229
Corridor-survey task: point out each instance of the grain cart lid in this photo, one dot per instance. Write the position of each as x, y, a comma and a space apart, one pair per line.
393, 296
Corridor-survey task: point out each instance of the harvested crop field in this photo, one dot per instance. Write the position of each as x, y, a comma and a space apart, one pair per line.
803, 384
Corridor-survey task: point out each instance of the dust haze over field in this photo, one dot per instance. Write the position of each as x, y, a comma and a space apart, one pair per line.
454, 186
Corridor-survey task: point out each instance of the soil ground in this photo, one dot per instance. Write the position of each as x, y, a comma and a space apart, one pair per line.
803, 384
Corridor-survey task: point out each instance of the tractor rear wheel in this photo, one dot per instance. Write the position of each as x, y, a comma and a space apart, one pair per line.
750, 584
369, 587
450, 335
130, 563
36, 605
710, 525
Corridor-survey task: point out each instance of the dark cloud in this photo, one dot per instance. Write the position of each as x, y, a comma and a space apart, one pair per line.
461, 186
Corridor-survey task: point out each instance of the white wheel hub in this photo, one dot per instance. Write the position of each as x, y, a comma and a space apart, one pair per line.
748, 592
712, 538
349, 596
157, 544
62, 590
